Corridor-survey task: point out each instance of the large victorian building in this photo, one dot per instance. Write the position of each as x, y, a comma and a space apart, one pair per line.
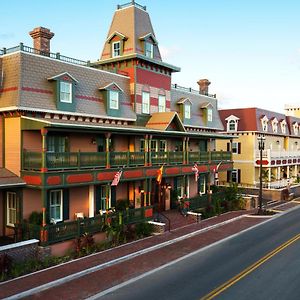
68, 127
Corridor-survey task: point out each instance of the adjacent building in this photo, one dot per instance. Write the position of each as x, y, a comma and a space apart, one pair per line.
69, 127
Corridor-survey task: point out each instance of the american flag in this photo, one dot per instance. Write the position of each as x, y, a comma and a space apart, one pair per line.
117, 178
196, 171
216, 169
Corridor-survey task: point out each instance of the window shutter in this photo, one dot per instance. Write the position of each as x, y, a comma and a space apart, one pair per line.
239, 148
113, 194
228, 146
66, 205
228, 176
239, 176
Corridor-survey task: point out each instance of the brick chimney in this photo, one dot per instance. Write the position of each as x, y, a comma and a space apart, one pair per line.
203, 86
41, 39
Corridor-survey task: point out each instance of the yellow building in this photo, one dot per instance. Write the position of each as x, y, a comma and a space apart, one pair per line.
280, 156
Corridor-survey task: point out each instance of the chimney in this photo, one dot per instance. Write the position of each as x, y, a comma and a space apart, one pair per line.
203, 86
41, 39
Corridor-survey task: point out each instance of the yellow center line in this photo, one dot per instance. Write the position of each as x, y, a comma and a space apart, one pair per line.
249, 269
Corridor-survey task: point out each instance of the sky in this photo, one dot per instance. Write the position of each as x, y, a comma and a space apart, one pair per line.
249, 50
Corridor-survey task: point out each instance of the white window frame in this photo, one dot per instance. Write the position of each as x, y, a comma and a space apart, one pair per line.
11, 209
275, 125
148, 50
145, 102
236, 172
283, 127
60, 205
65, 91
230, 124
113, 103
161, 103
264, 123
116, 51
209, 114
187, 111
235, 147
296, 128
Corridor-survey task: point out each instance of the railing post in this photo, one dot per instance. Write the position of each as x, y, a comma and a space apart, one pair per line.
57, 55
127, 159
44, 150
107, 142
21, 46
78, 160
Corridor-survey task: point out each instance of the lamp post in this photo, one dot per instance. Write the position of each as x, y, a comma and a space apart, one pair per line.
261, 147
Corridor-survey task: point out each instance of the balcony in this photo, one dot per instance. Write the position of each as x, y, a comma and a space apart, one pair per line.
272, 158
91, 160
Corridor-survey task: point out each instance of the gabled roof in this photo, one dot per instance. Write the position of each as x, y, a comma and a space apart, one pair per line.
63, 76
149, 35
206, 105
232, 117
111, 86
163, 120
183, 100
116, 33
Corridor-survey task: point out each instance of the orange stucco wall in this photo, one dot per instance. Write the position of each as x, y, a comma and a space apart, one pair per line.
82, 142
31, 202
32, 140
1, 213
13, 144
79, 201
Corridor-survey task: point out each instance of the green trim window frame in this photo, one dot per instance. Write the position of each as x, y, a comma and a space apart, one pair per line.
116, 49
65, 94
209, 115
145, 102
56, 205
187, 111
161, 103
149, 50
56, 144
11, 206
142, 145
113, 100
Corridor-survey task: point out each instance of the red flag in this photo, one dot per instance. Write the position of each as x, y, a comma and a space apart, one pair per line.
117, 178
159, 174
196, 171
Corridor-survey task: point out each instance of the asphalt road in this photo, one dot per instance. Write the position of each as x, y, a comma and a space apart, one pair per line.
203, 272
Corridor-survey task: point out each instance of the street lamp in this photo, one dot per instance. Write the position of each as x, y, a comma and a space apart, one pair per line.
261, 146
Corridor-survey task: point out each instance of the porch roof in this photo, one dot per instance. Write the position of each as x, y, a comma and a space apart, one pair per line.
9, 179
36, 122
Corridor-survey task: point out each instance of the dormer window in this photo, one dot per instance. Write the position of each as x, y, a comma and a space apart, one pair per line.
113, 100
209, 114
275, 125
283, 126
149, 49
116, 49
232, 123
264, 123
65, 93
187, 111
161, 103
296, 128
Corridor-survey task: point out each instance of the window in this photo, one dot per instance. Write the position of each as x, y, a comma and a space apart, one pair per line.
113, 100
275, 125
11, 200
209, 115
232, 125
57, 144
161, 103
283, 127
201, 184
264, 123
65, 92
187, 111
116, 49
236, 148
234, 176
56, 205
149, 50
145, 103
162, 146
142, 145
296, 127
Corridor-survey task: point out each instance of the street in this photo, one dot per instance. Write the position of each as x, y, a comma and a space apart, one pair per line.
202, 273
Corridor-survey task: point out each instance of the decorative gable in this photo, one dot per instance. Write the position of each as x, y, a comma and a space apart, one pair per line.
65, 91
232, 123
112, 94
116, 40
165, 121
149, 37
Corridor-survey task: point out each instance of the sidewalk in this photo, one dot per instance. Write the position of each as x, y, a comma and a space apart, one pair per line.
84, 277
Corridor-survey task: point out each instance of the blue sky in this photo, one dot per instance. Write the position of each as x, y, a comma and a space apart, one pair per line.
249, 50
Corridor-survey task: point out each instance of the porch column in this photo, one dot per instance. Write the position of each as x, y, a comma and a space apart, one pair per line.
107, 143
149, 188
278, 173
288, 172
44, 150
184, 151
149, 150
91, 201
146, 149
107, 190
296, 171
187, 150
269, 174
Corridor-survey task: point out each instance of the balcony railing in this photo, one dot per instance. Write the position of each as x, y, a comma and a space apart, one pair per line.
81, 160
278, 157
69, 230
190, 90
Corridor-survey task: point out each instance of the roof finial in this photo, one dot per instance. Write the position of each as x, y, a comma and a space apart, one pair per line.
132, 2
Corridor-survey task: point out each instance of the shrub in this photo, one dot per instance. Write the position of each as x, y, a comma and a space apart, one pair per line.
121, 205
143, 229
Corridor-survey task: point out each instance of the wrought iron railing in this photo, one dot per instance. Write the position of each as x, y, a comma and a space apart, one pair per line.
58, 56
190, 90
130, 4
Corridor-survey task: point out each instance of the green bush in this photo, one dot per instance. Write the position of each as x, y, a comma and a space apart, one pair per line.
143, 229
121, 205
